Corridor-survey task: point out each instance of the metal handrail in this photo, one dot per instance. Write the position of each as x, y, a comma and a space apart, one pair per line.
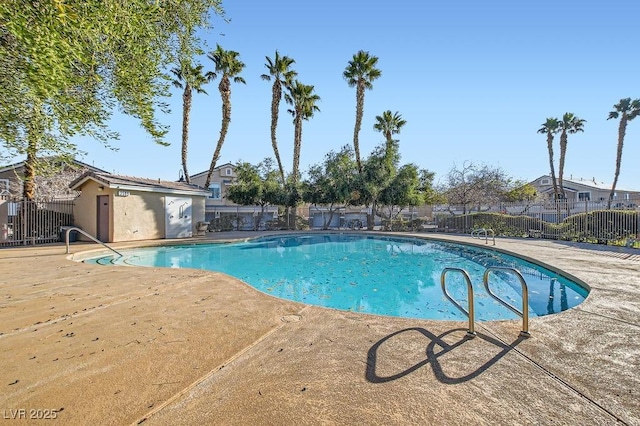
524, 314
476, 234
73, 228
469, 313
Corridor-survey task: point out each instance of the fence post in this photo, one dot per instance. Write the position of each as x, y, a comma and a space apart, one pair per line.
637, 224
586, 220
540, 218
25, 218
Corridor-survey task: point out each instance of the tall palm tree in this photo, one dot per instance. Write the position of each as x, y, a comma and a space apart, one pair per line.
228, 66
188, 78
550, 128
627, 110
279, 69
569, 124
360, 73
389, 124
303, 100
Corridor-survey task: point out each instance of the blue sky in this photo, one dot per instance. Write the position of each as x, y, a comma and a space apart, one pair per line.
474, 81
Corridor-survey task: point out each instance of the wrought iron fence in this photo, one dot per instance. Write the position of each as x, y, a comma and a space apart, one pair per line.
616, 223
33, 222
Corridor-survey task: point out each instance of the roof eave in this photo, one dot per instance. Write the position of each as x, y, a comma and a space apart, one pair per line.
129, 187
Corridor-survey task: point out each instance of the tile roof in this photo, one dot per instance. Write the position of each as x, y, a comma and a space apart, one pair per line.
153, 185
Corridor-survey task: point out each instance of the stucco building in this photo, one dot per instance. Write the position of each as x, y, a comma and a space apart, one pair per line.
123, 208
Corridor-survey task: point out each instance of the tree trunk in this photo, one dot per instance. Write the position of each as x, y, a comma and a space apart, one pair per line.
186, 111
34, 133
297, 141
297, 146
371, 217
563, 152
553, 171
622, 129
356, 130
225, 93
275, 106
29, 185
326, 224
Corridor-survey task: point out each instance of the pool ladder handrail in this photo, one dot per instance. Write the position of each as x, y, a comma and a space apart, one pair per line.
524, 314
86, 234
470, 313
476, 234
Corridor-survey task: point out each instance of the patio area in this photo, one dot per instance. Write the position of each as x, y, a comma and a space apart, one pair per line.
89, 344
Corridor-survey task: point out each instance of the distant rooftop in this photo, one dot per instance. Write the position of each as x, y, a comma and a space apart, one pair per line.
78, 163
592, 182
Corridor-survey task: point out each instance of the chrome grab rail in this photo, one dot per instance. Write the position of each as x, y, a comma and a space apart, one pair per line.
476, 234
73, 228
524, 314
469, 313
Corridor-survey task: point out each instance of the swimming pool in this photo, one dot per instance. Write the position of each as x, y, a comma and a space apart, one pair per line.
384, 275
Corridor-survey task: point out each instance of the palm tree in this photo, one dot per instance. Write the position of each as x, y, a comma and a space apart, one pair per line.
360, 72
279, 69
627, 110
188, 78
303, 100
550, 128
569, 124
389, 124
228, 66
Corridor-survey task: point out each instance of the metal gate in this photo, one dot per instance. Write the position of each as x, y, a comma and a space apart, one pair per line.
33, 222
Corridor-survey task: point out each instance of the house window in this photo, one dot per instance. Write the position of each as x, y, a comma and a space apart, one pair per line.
584, 196
545, 181
626, 196
4, 186
228, 171
214, 188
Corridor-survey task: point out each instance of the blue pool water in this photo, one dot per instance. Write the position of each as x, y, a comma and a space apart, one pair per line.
382, 275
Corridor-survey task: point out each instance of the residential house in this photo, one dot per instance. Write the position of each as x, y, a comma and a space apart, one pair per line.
222, 213
586, 190
52, 185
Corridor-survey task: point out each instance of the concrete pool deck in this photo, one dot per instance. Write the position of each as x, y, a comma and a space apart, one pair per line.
90, 344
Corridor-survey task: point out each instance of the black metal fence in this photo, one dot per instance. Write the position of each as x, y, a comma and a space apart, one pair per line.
616, 223
33, 222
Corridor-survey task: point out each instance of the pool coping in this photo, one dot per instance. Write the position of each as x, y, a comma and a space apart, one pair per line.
584, 356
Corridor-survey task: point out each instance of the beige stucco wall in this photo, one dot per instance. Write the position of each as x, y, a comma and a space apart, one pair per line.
139, 216
218, 176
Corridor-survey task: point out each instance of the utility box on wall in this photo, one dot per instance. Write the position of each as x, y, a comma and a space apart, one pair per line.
123, 208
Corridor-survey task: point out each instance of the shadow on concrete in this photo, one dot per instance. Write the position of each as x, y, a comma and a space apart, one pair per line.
432, 356
622, 252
